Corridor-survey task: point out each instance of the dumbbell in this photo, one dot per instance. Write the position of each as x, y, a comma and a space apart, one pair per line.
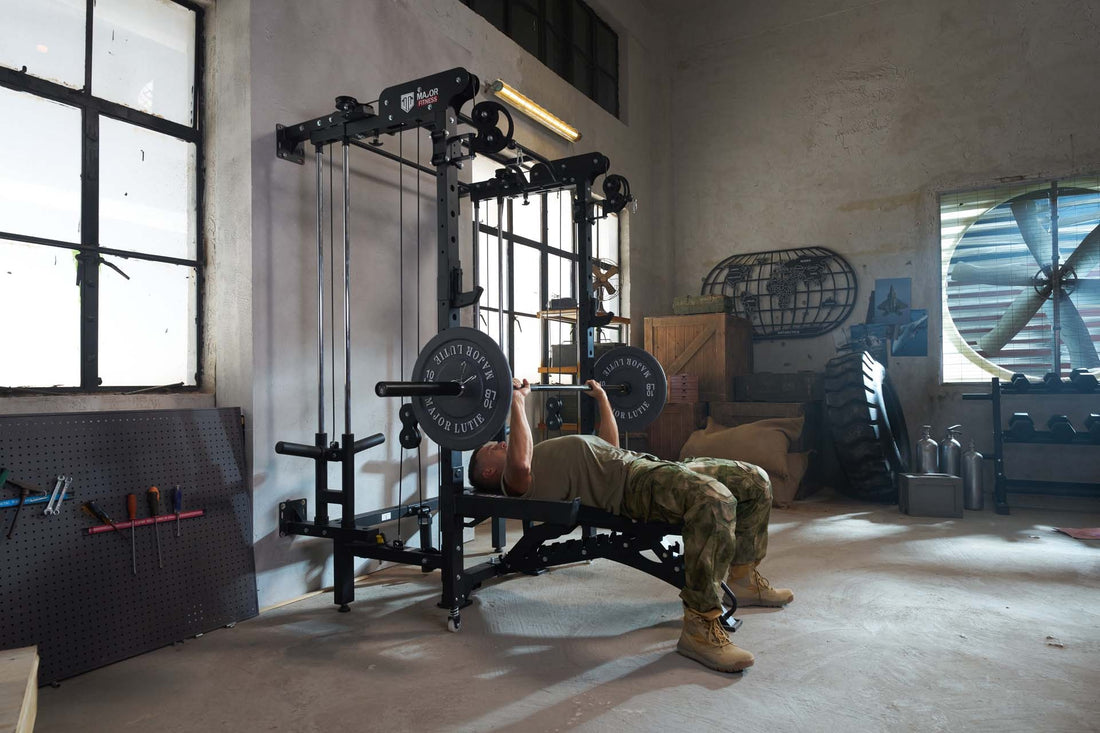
1083, 380
1092, 425
554, 406
1053, 382
1021, 426
1020, 382
1061, 429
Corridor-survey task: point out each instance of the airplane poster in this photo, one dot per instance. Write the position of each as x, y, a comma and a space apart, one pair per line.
892, 299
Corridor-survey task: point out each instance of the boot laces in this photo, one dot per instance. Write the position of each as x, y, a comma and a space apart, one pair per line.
760, 581
716, 633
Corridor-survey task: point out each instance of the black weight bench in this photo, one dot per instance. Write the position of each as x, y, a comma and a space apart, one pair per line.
545, 522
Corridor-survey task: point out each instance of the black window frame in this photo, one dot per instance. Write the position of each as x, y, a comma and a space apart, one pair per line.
566, 44
89, 250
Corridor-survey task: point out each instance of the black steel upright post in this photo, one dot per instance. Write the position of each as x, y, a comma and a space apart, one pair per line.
586, 335
444, 149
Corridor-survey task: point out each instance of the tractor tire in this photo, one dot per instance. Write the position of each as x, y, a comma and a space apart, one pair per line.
867, 426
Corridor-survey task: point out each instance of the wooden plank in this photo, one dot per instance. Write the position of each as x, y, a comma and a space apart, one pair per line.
668, 433
696, 344
18, 689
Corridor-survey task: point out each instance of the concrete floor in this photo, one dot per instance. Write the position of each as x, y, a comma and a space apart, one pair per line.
900, 624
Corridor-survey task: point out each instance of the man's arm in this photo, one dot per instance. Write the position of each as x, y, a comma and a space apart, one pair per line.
609, 429
517, 461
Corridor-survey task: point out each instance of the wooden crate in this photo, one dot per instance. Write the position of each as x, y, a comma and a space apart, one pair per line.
683, 388
668, 433
18, 689
714, 346
739, 413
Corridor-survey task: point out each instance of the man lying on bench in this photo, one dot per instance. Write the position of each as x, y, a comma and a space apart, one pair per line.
722, 505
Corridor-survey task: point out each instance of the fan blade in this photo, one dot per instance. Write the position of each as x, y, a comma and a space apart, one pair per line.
965, 273
1076, 336
1026, 212
1089, 289
612, 271
610, 288
1087, 255
1016, 317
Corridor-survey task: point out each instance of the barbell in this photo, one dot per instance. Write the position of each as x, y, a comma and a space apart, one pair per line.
462, 388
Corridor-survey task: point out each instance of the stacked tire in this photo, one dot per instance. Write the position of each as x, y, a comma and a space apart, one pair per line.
867, 425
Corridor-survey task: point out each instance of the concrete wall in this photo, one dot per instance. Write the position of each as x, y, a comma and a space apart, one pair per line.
836, 122
302, 56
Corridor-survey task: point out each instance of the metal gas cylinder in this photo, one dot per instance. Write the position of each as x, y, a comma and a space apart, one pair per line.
951, 452
973, 498
928, 458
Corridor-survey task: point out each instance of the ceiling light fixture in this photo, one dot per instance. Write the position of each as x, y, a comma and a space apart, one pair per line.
534, 111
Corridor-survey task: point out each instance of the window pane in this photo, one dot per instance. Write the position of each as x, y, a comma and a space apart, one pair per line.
527, 262
46, 37
556, 13
147, 323
146, 191
491, 10
582, 26
490, 324
40, 184
40, 325
489, 274
527, 218
559, 219
557, 53
525, 28
607, 49
607, 93
528, 348
143, 56
582, 72
559, 277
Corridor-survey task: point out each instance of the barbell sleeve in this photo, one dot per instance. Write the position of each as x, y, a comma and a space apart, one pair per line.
418, 389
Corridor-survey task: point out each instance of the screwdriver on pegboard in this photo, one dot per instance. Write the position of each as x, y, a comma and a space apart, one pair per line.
93, 509
153, 497
131, 510
177, 506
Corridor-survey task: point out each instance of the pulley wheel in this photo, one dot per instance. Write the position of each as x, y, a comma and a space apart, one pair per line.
472, 359
646, 389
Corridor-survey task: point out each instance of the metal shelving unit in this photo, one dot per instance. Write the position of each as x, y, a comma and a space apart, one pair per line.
1002, 484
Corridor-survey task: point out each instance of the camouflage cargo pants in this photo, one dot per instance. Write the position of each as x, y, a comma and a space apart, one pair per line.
723, 506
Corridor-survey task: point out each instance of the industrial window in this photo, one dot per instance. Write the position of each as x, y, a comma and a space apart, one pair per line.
532, 261
567, 36
1021, 274
100, 194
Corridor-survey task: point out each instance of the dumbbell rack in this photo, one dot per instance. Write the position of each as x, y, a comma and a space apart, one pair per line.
1001, 483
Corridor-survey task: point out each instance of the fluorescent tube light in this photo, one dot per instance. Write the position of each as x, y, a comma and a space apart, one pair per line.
534, 111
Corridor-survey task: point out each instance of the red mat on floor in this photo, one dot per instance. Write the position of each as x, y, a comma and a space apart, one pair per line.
1085, 533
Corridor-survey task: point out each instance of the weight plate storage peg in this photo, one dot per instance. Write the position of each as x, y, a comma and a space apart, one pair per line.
473, 360
645, 388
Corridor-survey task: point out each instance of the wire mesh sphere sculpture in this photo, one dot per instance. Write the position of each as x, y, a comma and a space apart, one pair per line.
786, 293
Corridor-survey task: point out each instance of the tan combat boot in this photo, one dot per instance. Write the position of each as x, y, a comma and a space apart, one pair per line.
704, 640
753, 589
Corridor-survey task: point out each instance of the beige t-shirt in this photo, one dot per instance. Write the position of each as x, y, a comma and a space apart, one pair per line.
583, 467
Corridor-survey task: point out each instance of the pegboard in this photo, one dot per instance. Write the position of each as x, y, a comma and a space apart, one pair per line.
73, 593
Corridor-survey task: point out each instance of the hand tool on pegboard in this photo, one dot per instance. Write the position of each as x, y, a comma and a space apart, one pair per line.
53, 503
131, 512
177, 506
152, 496
25, 490
93, 509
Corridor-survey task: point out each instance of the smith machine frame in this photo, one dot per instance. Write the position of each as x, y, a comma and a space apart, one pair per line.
434, 103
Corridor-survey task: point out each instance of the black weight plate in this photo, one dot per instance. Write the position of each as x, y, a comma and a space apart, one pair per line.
473, 359
647, 389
